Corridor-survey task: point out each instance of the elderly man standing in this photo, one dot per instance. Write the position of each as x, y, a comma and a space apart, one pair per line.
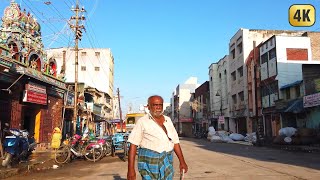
157, 138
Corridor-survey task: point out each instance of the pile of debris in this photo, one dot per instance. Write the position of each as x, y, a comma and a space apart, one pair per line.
293, 136
227, 137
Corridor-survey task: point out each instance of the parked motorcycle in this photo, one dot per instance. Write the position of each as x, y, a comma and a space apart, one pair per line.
18, 146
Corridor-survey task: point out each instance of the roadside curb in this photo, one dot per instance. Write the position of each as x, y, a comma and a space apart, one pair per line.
31, 166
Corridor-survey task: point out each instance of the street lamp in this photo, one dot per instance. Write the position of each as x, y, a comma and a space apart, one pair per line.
218, 94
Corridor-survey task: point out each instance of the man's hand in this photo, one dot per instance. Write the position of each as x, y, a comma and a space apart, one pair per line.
184, 166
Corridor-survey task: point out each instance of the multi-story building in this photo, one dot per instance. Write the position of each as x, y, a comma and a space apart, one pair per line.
201, 107
182, 98
95, 78
219, 94
281, 59
240, 46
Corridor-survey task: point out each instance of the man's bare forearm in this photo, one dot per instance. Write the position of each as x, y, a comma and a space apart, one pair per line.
178, 151
132, 156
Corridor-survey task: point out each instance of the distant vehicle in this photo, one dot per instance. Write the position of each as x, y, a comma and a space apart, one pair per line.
132, 119
118, 124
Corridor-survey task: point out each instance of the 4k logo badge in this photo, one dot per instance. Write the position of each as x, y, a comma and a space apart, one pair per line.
302, 15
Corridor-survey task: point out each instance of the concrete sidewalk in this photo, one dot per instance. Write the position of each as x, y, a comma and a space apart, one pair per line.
39, 160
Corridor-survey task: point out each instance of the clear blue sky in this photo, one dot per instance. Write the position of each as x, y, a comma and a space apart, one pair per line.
158, 44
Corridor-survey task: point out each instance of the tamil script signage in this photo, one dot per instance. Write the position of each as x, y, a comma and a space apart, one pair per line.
35, 93
36, 88
311, 100
34, 97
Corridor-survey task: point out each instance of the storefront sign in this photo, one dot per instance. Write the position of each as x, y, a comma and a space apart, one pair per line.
185, 120
34, 97
311, 100
36, 88
221, 120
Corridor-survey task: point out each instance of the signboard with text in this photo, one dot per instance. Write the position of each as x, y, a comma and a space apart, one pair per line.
221, 119
36, 88
311, 100
34, 97
185, 120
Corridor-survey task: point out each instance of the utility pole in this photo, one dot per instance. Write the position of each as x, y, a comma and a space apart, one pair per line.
78, 35
120, 111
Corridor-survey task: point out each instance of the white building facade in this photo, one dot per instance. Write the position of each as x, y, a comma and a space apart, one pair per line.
181, 100
95, 72
240, 46
219, 88
281, 59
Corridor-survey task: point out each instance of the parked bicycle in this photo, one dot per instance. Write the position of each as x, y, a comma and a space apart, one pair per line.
78, 147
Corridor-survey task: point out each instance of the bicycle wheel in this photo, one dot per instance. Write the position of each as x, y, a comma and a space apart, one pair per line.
62, 154
93, 152
107, 149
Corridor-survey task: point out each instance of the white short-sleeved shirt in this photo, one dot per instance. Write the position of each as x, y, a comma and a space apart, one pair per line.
148, 134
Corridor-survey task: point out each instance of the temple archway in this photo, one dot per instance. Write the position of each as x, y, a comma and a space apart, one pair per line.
53, 67
14, 50
35, 62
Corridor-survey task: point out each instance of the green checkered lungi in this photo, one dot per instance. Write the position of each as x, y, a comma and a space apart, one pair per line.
155, 166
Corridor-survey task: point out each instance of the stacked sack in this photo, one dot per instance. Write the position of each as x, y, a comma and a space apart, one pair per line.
212, 135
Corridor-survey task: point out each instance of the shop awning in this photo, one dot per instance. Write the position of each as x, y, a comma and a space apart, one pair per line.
291, 85
295, 107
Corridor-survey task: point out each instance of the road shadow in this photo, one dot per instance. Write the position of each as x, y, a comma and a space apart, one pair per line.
122, 157
115, 176
302, 159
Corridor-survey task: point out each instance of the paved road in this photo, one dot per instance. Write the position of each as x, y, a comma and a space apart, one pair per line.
206, 160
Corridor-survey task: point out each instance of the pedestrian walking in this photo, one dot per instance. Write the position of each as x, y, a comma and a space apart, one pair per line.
157, 138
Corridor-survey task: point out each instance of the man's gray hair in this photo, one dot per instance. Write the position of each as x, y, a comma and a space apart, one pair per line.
153, 96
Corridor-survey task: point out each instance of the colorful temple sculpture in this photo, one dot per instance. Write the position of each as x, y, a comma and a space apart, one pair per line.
32, 91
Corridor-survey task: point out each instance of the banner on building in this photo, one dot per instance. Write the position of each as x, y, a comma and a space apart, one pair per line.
35, 93
34, 97
221, 120
185, 120
35, 88
311, 100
